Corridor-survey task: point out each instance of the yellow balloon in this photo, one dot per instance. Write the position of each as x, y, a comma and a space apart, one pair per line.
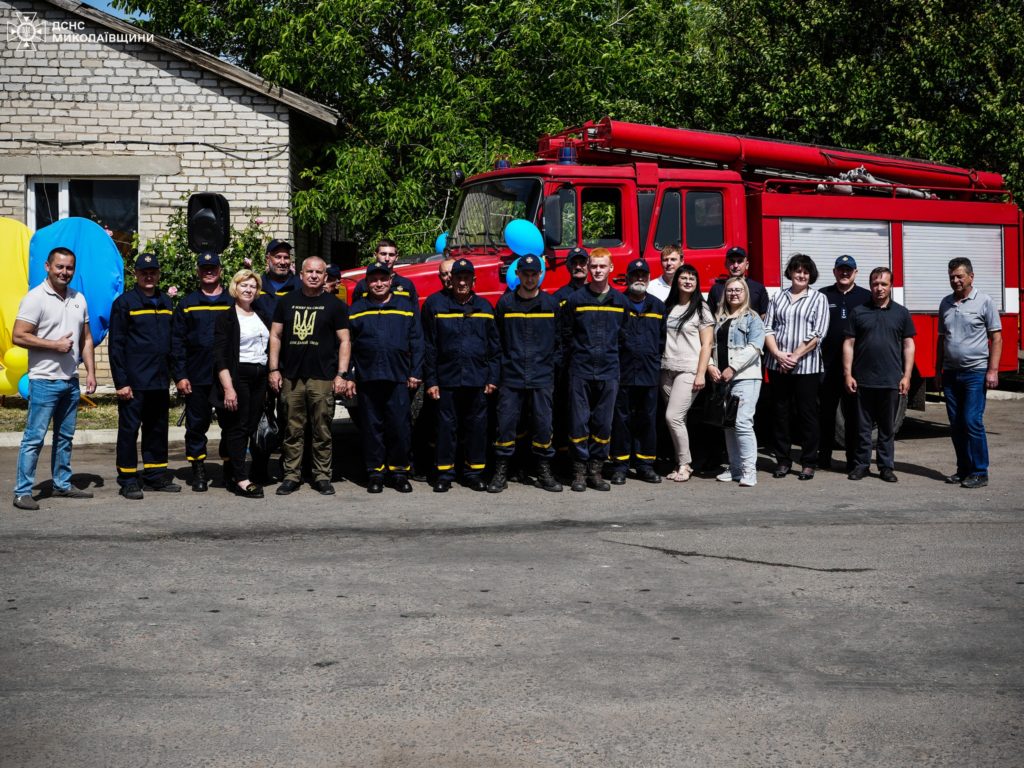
8, 387
16, 361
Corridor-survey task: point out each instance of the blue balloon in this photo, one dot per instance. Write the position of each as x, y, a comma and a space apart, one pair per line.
99, 267
23, 386
512, 276
524, 238
441, 243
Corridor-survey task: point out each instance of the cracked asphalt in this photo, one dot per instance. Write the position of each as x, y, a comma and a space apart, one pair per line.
822, 623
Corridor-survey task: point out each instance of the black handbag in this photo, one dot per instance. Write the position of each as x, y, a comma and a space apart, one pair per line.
721, 406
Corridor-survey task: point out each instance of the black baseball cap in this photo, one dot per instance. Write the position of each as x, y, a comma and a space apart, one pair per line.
208, 259
577, 253
846, 261
333, 271
379, 266
463, 267
528, 263
147, 261
736, 252
277, 245
638, 265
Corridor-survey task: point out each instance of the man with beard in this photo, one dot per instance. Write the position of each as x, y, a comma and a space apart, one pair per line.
461, 367
634, 430
192, 365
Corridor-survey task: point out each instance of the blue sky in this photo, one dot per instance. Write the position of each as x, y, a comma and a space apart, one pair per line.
106, 6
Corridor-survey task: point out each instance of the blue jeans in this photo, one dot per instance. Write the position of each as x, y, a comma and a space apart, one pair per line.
965, 407
740, 441
56, 400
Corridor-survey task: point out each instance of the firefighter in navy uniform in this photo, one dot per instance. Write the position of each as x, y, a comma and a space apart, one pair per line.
192, 365
387, 364
461, 366
527, 320
576, 264
140, 362
593, 322
386, 253
634, 428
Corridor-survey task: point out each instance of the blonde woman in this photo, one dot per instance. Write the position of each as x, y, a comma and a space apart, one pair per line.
685, 360
240, 340
736, 361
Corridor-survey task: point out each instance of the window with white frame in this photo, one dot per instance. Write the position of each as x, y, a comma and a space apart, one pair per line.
111, 203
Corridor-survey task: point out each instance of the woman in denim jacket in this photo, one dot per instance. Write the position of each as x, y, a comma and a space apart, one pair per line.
736, 360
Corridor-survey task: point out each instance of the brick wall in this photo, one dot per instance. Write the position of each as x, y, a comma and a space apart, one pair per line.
88, 108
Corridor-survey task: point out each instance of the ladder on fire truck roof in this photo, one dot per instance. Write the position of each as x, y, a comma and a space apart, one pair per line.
610, 140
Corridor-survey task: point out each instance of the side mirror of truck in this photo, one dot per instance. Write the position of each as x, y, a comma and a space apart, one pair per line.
552, 221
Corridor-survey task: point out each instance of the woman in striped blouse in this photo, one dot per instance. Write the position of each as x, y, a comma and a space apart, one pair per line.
796, 323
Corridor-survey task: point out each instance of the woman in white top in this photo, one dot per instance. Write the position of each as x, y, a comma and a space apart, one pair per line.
685, 360
796, 322
240, 342
736, 361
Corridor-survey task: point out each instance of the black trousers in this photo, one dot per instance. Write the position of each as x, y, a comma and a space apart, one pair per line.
386, 430
591, 411
198, 417
832, 397
146, 410
237, 427
795, 398
512, 404
634, 427
461, 420
876, 408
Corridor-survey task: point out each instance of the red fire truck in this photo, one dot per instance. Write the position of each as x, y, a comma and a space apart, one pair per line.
634, 189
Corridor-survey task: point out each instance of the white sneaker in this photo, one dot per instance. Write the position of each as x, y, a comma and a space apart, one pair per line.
726, 477
748, 481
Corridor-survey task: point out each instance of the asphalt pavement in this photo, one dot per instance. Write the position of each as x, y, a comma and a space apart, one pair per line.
819, 623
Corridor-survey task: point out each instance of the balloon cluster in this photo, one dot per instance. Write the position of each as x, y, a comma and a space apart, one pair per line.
14, 241
524, 239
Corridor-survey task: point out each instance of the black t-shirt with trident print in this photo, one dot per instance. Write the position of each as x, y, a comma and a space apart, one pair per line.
309, 340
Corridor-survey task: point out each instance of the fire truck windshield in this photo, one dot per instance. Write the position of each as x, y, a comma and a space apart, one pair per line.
488, 206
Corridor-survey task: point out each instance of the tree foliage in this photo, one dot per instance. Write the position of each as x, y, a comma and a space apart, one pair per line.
428, 86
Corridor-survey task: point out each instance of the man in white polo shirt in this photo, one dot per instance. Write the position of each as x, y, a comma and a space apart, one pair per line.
53, 324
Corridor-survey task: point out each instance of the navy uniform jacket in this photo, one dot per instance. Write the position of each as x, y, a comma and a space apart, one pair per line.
461, 346
139, 340
530, 343
192, 336
562, 294
400, 286
640, 357
592, 332
267, 300
387, 341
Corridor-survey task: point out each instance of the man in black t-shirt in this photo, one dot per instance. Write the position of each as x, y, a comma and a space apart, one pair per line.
878, 358
309, 353
843, 297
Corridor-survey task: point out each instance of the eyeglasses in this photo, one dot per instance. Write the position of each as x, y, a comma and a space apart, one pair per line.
736, 291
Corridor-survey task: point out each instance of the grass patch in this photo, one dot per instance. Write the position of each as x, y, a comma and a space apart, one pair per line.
102, 415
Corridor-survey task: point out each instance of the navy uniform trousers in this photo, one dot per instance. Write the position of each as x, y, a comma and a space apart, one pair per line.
634, 428
461, 409
386, 430
146, 410
512, 403
591, 410
198, 417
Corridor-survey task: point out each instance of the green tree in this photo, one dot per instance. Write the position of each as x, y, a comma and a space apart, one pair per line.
425, 87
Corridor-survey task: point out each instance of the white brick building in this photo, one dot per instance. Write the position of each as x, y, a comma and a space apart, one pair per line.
98, 121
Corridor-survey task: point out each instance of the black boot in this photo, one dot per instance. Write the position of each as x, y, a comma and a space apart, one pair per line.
594, 479
579, 473
499, 482
199, 481
545, 479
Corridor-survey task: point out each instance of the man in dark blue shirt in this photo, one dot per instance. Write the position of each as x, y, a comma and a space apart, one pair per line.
139, 345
